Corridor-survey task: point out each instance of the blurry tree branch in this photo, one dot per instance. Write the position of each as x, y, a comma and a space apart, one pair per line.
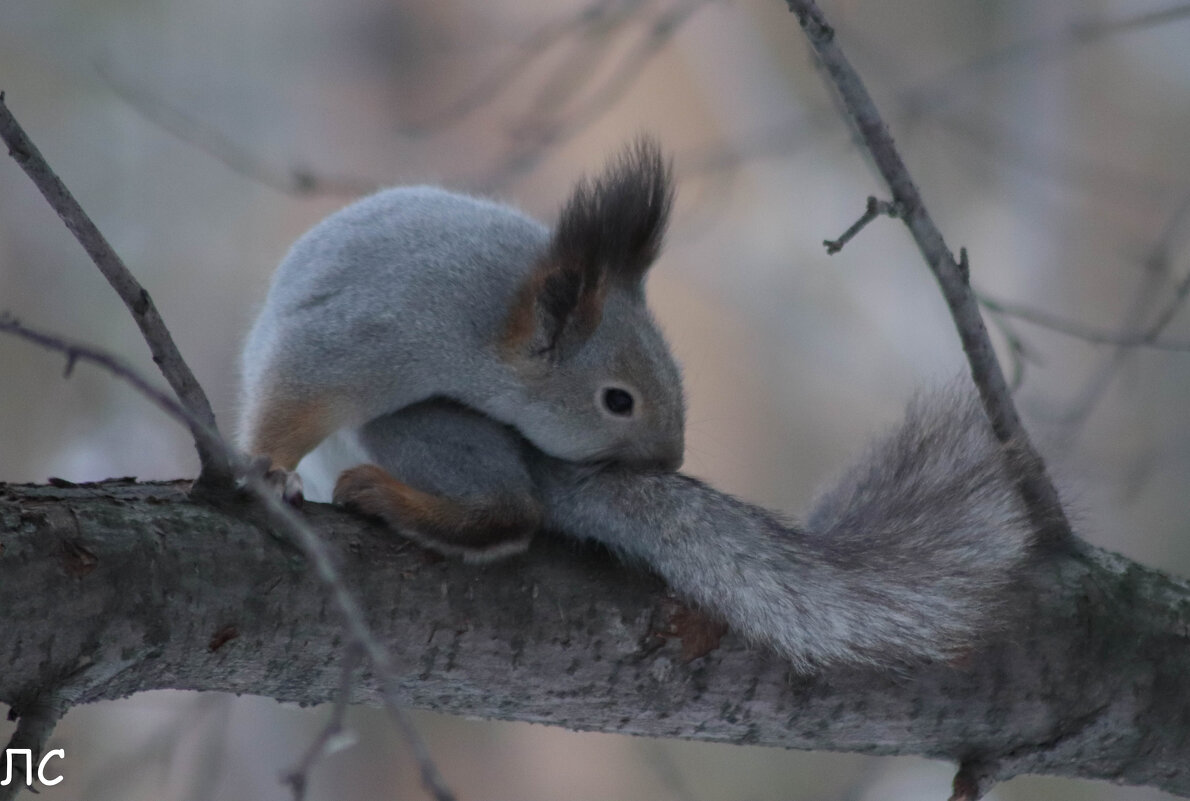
190, 128
1155, 271
943, 88
592, 25
1072, 328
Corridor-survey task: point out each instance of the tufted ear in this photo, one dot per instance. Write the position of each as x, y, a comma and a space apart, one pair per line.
608, 234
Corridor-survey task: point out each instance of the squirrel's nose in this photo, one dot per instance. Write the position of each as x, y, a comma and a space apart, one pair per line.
668, 457
671, 463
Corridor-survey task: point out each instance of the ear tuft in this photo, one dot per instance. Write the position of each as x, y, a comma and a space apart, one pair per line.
609, 232
613, 226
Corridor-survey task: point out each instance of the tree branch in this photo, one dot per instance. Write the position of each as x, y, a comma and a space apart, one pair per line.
1037, 490
1077, 330
1094, 683
216, 470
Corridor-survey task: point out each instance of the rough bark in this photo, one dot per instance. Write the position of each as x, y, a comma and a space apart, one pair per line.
119, 587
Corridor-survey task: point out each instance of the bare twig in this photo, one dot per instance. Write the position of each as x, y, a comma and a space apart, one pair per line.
1156, 269
284, 517
662, 29
1037, 491
929, 96
543, 129
874, 209
1018, 353
1181, 291
298, 778
938, 90
597, 15
1078, 330
195, 132
75, 352
216, 472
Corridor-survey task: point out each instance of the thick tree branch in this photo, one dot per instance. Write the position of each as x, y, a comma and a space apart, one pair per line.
216, 470
1037, 490
1095, 682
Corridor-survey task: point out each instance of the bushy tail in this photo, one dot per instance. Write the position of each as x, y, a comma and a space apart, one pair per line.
909, 557
926, 533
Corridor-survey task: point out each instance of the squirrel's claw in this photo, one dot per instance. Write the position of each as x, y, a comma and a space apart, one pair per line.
285, 484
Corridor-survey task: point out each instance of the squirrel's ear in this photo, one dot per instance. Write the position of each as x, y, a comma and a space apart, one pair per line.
608, 233
615, 223
557, 307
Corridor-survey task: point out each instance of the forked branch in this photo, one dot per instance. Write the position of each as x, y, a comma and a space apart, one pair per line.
1037, 490
216, 472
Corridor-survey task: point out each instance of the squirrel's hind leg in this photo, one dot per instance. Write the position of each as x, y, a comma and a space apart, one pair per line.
478, 529
447, 477
279, 431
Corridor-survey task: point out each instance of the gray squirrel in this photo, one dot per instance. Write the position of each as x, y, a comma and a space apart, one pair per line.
909, 557
479, 419
416, 292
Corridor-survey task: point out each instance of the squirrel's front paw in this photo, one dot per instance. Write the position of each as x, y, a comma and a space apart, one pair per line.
285, 484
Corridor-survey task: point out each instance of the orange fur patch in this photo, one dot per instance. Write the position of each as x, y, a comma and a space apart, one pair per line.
288, 430
461, 526
521, 322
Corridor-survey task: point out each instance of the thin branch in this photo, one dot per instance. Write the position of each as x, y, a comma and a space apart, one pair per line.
324, 744
591, 17
216, 471
938, 90
1180, 293
874, 209
926, 97
1018, 353
1077, 330
1156, 269
661, 31
537, 133
193, 131
76, 352
285, 518
1038, 492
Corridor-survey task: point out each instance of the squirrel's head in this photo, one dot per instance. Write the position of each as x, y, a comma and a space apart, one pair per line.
601, 382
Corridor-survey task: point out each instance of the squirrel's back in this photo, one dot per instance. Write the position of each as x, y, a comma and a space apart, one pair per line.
439, 267
423, 234
408, 248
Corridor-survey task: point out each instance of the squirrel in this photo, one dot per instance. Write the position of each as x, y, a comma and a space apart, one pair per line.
477, 378
910, 557
416, 293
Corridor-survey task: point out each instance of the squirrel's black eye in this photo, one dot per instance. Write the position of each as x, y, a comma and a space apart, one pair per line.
618, 401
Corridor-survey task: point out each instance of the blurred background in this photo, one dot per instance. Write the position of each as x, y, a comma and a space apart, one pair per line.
1049, 137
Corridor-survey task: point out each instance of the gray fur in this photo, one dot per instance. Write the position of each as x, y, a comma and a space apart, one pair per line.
910, 557
405, 296
449, 450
